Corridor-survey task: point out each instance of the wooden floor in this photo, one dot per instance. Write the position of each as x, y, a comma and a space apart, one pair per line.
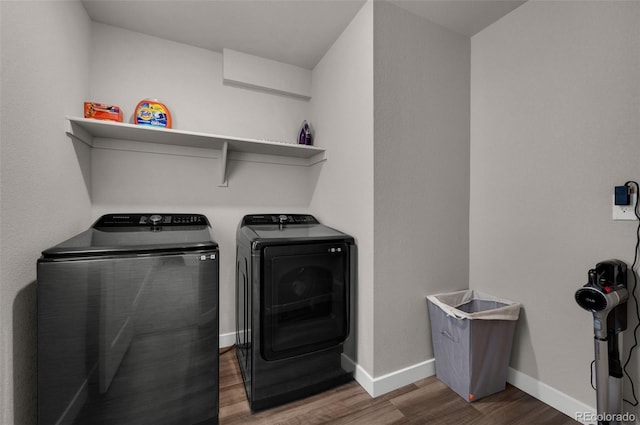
424, 402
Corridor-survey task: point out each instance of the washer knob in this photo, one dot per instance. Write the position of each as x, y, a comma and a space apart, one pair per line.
283, 218
155, 219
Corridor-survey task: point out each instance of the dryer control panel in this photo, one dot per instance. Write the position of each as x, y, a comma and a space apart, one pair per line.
254, 219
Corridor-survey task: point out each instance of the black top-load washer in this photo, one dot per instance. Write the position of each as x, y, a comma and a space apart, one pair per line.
128, 323
295, 307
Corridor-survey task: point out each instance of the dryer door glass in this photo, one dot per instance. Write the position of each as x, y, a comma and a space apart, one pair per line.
304, 298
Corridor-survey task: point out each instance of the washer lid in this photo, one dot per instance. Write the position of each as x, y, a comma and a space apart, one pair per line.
126, 234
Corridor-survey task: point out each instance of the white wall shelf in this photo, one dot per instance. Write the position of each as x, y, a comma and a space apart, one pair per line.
88, 130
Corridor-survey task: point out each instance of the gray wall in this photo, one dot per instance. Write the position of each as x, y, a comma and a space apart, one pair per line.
190, 84
555, 125
342, 112
390, 119
45, 176
421, 178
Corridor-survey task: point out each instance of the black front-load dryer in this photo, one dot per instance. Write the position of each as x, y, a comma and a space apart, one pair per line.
294, 312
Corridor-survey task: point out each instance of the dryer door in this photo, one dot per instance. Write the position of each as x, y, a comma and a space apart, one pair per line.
304, 298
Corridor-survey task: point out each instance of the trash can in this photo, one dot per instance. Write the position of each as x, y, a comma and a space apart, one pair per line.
472, 335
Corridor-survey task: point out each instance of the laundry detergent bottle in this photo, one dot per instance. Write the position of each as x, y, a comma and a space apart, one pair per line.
153, 113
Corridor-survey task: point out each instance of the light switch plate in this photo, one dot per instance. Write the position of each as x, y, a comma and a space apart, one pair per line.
624, 212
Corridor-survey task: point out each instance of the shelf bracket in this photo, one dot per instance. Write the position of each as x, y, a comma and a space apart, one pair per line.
78, 133
223, 165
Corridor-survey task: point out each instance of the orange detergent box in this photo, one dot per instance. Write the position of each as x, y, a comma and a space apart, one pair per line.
102, 111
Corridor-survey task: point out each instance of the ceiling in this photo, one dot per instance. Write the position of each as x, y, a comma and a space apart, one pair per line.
467, 17
297, 32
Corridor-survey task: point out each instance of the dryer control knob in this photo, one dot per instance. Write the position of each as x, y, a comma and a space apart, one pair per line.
155, 219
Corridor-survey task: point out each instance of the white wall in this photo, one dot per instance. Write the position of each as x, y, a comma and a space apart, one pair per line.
126, 67
45, 176
555, 125
342, 112
421, 182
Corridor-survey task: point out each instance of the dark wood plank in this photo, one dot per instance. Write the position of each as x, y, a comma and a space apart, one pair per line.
427, 401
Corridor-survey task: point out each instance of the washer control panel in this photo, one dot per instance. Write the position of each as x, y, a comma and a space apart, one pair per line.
137, 220
255, 219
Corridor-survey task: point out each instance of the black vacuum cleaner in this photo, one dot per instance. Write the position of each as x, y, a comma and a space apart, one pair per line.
606, 295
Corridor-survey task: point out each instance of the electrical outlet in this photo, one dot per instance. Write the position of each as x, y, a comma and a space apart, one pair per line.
625, 212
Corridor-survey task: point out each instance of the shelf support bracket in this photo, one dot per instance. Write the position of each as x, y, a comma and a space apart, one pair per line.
78, 133
223, 165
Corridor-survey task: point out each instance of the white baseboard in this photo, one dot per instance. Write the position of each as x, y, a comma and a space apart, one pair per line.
394, 380
227, 340
543, 392
558, 400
